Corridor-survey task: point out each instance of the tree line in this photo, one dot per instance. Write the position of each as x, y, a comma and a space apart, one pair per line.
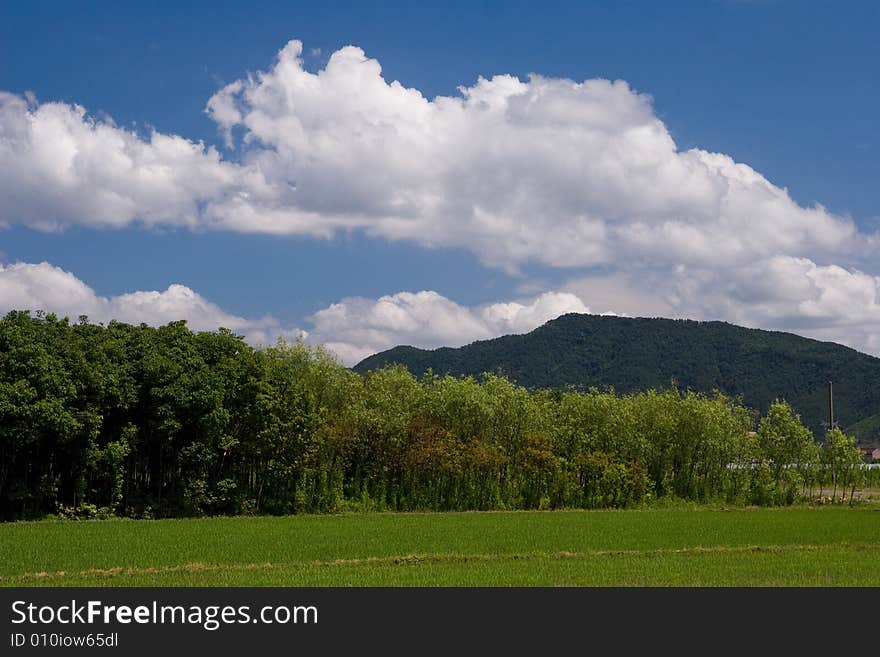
140, 421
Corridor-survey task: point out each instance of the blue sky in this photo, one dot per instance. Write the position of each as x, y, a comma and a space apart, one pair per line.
788, 88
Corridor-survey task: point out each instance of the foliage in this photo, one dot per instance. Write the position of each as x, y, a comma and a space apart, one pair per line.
157, 422
843, 464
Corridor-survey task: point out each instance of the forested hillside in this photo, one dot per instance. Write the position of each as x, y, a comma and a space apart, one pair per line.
631, 354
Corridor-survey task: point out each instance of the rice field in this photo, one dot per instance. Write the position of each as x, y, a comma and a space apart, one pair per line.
801, 546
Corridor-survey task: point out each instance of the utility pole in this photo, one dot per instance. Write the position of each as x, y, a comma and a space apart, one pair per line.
830, 406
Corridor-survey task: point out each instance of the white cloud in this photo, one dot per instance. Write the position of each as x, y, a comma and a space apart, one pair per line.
635, 295
357, 327
826, 302
565, 173
42, 286
353, 328
550, 170
59, 167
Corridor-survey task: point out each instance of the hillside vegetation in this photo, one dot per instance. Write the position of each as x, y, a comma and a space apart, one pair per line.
633, 354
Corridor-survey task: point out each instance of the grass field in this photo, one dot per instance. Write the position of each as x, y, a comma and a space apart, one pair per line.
772, 547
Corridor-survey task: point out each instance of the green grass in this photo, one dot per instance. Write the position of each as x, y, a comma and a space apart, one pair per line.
772, 547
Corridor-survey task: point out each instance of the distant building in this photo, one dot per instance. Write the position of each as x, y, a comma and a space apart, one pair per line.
870, 453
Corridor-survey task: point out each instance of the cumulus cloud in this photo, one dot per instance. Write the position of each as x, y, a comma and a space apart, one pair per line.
825, 302
353, 328
58, 166
358, 327
25, 286
565, 173
550, 170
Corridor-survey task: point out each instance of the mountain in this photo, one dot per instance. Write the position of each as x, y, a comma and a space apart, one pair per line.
631, 354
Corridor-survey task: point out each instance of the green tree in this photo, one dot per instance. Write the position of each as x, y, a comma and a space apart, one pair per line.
843, 462
787, 448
